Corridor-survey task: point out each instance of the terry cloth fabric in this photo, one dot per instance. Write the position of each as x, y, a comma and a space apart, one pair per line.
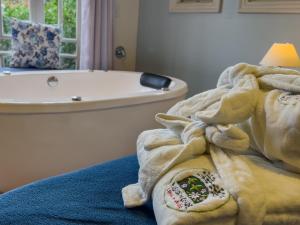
260, 100
266, 194
250, 104
185, 140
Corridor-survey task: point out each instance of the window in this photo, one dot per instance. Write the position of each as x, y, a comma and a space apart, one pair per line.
62, 13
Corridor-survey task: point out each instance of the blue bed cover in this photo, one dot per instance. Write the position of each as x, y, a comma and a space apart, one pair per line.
88, 196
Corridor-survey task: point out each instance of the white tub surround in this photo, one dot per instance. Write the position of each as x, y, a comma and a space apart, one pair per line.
44, 132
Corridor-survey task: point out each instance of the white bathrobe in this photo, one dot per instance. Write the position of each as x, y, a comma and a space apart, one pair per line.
253, 111
261, 193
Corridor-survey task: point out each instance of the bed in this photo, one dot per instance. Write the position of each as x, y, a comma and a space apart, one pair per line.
88, 196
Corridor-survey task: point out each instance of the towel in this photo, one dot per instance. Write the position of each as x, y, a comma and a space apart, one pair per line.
253, 112
260, 192
166, 214
263, 101
161, 149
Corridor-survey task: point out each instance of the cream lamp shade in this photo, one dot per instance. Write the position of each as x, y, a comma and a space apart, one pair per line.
281, 54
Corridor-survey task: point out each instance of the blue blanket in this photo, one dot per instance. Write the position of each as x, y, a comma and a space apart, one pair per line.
88, 196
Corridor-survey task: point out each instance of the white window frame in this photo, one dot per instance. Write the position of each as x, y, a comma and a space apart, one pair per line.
36, 15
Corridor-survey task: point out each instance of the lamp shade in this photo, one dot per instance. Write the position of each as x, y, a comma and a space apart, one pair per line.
281, 54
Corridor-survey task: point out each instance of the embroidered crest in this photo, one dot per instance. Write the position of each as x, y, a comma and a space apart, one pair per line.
288, 99
195, 190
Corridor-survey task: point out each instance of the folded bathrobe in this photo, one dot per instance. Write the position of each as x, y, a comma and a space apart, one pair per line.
267, 195
251, 117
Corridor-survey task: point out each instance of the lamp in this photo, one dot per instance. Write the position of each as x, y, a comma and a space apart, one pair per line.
281, 54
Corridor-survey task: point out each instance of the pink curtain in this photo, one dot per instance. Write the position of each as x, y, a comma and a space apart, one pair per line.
96, 43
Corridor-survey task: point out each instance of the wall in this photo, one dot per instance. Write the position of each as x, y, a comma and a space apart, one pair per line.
198, 47
126, 14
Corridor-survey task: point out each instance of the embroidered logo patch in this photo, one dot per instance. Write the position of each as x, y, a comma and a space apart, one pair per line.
287, 98
195, 190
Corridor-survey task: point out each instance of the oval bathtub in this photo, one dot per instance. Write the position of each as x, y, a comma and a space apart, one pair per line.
45, 132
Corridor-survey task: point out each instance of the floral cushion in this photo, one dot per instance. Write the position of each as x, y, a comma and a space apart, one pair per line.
34, 45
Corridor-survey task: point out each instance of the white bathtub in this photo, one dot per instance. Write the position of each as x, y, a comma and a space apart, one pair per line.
43, 132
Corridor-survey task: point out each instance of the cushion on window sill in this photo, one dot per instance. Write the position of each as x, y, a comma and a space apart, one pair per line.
34, 45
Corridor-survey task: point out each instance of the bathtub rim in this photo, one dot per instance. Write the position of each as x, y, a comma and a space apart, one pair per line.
180, 89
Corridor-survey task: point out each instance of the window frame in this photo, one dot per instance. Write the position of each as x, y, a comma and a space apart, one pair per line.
37, 15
